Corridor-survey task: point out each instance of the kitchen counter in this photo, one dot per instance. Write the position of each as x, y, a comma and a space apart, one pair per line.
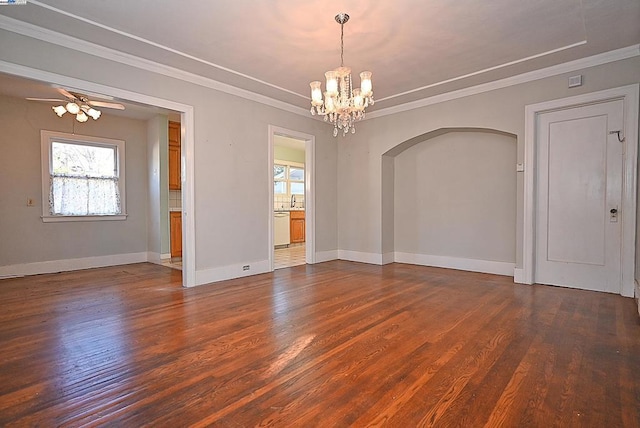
286, 210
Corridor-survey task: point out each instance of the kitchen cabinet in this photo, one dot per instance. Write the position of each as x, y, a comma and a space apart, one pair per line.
297, 227
175, 231
174, 156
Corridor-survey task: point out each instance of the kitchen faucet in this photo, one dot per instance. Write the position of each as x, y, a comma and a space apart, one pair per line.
293, 201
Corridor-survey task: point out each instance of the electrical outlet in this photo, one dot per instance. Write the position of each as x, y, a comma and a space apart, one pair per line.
245, 267
29, 202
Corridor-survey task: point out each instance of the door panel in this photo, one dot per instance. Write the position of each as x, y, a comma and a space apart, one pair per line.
578, 183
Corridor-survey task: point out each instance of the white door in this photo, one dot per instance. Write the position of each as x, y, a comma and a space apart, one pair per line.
578, 198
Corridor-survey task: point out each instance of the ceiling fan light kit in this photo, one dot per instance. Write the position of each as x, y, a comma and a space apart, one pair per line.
79, 105
343, 105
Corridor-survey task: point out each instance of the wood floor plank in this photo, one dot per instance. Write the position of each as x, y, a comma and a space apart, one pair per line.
332, 344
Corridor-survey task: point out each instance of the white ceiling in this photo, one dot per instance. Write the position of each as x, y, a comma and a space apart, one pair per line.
415, 48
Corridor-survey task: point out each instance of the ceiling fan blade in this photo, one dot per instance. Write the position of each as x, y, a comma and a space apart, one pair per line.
66, 93
106, 105
57, 100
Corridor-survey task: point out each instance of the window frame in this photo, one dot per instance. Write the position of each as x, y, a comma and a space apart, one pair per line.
288, 165
47, 138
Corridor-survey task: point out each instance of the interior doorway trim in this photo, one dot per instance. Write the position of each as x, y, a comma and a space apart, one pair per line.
630, 96
310, 191
188, 142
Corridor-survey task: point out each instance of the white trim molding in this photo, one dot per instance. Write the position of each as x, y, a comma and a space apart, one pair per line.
630, 95
49, 36
518, 276
325, 256
223, 273
568, 67
309, 183
64, 265
458, 263
358, 256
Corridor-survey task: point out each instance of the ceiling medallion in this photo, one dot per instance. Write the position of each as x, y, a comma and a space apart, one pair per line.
342, 105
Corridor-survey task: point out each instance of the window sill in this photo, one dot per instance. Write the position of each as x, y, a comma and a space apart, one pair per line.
71, 218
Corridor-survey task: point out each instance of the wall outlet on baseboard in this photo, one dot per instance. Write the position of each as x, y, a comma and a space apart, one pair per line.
246, 267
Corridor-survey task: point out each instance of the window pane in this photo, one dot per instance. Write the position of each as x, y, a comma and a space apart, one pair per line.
297, 188
280, 187
83, 160
280, 171
296, 174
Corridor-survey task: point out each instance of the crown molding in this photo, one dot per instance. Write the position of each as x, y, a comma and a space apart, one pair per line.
73, 43
49, 36
567, 67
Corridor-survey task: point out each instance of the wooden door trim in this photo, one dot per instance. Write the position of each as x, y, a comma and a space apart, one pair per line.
629, 95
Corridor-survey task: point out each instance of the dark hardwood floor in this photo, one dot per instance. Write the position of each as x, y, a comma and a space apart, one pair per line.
334, 344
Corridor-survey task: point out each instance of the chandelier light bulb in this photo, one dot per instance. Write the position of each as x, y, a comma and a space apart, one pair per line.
73, 108
59, 110
365, 83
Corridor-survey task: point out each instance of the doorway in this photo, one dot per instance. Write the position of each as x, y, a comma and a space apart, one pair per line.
580, 163
291, 198
186, 115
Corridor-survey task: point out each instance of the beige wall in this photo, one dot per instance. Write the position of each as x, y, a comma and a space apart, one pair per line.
158, 176
362, 208
232, 171
24, 238
455, 196
288, 154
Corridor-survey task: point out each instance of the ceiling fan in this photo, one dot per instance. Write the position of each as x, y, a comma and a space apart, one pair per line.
79, 105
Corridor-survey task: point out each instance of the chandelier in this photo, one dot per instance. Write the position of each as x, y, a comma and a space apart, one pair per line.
342, 105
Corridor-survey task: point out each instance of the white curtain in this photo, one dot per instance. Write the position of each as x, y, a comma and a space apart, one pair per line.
83, 195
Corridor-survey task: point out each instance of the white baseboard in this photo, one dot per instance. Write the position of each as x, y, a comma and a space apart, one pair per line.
473, 265
52, 266
388, 258
637, 292
165, 256
325, 256
518, 276
222, 273
153, 257
357, 256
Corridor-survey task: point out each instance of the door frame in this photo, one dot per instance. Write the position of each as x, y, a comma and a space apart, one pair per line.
629, 95
309, 188
187, 124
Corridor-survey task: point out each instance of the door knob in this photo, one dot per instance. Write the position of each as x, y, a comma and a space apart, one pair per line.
613, 211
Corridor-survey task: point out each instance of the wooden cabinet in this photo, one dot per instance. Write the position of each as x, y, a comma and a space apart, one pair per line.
297, 226
175, 228
174, 156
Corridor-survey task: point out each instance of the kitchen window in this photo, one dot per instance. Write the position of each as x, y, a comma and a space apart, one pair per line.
288, 178
82, 178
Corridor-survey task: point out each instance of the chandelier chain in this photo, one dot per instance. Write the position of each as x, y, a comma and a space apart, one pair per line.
342, 44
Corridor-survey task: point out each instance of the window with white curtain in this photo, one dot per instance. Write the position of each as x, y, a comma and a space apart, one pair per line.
82, 178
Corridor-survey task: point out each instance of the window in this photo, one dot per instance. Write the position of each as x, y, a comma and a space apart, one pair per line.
82, 178
288, 178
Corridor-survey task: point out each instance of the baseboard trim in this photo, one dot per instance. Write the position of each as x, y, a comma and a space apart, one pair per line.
223, 273
357, 256
53, 266
518, 276
388, 258
637, 292
472, 265
325, 256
